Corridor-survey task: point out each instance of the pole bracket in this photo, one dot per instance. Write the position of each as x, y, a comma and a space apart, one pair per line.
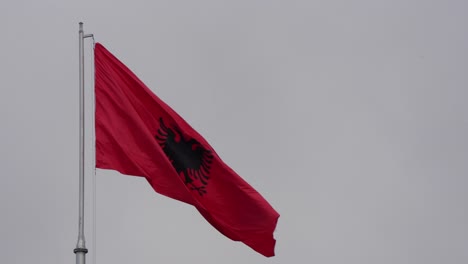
77, 250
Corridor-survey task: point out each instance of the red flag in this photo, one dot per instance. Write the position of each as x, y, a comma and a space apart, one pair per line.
138, 134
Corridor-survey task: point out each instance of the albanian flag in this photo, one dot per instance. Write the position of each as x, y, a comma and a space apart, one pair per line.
138, 134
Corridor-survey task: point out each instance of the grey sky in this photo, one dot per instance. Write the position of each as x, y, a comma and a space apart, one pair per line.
350, 118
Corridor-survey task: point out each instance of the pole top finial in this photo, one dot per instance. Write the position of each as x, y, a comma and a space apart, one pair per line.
81, 26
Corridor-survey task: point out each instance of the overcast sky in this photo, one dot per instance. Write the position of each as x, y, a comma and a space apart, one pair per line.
349, 117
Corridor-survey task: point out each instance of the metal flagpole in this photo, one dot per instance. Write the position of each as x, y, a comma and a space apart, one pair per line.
81, 250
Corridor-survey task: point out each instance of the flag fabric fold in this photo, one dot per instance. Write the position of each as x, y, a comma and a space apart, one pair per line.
138, 134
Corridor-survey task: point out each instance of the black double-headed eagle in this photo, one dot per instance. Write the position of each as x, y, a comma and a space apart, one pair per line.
187, 156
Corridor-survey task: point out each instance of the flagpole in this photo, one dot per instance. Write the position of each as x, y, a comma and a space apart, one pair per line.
81, 250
